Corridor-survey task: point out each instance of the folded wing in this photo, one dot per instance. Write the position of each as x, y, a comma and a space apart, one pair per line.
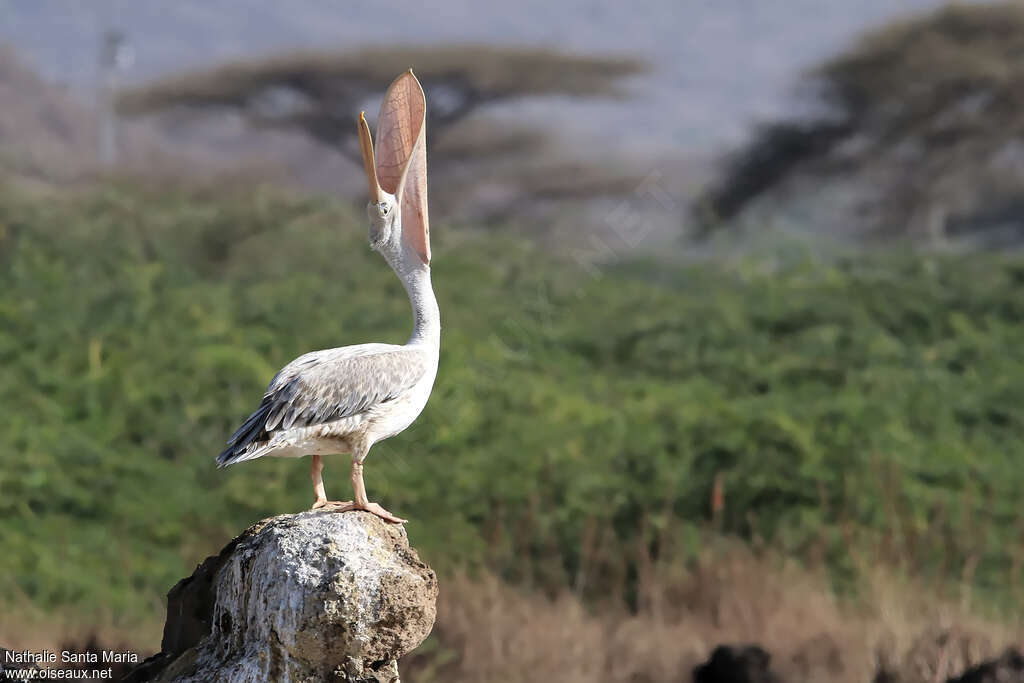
325, 386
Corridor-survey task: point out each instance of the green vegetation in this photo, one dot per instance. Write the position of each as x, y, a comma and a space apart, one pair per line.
866, 405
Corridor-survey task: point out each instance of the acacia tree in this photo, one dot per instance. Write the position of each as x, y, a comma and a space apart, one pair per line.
497, 167
921, 133
320, 93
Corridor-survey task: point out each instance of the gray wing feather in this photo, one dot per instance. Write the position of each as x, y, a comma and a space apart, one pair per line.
329, 385
324, 386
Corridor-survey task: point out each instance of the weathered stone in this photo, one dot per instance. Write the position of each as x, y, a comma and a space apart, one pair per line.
8, 670
309, 597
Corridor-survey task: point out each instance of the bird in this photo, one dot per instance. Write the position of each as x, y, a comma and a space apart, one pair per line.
344, 400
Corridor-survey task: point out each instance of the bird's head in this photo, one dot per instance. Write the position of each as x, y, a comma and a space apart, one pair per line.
397, 174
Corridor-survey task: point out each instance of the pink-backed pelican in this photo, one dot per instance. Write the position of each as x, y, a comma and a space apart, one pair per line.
345, 400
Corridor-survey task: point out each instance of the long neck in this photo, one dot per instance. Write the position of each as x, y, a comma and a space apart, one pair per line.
425, 313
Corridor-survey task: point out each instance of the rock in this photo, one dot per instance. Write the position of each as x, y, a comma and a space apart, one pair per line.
309, 597
10, 671
1009, 668
97, 656
736, 664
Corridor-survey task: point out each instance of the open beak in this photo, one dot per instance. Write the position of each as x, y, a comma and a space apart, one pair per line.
366, 145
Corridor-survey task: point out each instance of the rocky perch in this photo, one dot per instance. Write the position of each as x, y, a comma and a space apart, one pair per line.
317, 596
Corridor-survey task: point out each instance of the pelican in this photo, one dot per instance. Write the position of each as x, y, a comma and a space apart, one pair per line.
344, 400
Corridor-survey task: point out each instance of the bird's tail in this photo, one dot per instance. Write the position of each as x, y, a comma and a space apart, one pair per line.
249, 442
233, 454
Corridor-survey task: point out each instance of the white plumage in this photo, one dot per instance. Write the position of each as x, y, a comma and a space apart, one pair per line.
346, 399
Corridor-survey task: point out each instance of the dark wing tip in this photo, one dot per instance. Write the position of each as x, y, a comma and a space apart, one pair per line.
228, 456
251, 432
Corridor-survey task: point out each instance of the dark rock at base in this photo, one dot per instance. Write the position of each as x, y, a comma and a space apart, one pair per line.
6, 669
736, 664
1008, 668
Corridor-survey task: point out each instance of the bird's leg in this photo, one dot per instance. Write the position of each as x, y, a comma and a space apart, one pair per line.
362, 502
316, 472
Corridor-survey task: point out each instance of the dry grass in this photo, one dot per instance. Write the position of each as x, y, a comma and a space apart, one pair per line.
25, 627
490, 631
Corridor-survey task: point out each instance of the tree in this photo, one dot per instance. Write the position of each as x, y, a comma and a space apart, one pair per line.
494, 168
920, 134
321, 93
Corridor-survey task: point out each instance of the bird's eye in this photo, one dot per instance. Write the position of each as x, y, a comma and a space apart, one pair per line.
384, 209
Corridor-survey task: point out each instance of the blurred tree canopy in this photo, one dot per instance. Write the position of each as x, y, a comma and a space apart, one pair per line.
320, 93
920, 133
496, 166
